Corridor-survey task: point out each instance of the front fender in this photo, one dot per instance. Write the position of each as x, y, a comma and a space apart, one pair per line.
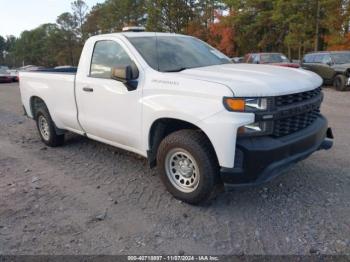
189, 109
209, 115
221, 129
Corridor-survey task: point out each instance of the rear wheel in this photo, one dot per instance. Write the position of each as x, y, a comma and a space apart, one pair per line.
188, 166
340, 82
47, 129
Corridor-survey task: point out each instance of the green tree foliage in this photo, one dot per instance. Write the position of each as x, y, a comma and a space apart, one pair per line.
71, 40
168, 15
2, 49
35, 46
235, 27
113, 15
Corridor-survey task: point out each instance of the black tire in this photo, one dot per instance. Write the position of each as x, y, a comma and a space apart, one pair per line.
197, 146
51, 139
340, 82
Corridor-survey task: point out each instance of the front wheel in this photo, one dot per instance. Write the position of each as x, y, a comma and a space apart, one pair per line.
340, 82
187, 165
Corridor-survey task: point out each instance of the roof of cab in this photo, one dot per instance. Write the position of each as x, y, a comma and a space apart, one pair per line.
140, 34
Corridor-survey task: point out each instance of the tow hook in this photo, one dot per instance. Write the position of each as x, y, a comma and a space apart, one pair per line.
328, 142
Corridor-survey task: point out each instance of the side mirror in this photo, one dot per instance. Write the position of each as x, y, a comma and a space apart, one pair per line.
122, 73
127, 75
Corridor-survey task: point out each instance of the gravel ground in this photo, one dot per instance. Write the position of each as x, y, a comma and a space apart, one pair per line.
90, 198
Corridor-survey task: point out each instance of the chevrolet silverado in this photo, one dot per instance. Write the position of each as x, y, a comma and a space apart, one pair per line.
202, 120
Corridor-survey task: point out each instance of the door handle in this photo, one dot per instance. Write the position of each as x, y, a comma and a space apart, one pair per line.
88, 89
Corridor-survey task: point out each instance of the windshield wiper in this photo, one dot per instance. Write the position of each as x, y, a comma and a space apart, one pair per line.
177, 69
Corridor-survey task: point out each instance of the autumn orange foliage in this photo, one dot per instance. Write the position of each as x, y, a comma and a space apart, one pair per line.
219, 34
338, 42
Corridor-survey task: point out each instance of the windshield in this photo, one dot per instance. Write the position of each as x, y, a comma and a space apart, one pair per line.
177, 53
341, 58
273, 58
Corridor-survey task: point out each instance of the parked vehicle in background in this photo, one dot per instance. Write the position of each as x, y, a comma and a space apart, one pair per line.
14, 75
332, 66
269, 58
201, 119
238, 60
5, 76
30, 68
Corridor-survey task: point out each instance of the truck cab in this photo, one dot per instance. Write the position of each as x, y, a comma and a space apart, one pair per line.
200, 119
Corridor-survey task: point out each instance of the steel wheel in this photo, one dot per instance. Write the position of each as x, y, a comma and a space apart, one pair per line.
44, 127
182, 170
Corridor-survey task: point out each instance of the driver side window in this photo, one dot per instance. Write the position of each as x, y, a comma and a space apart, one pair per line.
107, 55
327, 59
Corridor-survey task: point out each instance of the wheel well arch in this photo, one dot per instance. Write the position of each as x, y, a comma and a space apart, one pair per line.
347, 72
163, 127
35, 103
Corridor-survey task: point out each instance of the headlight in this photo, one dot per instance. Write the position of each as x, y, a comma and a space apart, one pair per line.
246, 104
256, 129
251, 105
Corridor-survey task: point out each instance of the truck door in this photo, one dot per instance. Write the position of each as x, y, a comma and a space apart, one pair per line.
326, 69
321, 68
306, 62
107, 110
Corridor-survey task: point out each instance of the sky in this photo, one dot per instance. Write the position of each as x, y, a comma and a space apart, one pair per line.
19, 15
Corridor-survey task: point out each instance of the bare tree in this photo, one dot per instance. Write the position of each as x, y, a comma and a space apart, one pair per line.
80, 11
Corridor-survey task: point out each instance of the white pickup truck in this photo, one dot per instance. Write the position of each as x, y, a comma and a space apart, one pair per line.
202, 120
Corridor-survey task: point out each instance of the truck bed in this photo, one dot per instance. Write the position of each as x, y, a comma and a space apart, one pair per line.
57, 88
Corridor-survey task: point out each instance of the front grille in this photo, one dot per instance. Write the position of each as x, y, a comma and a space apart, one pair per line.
296, 98
287, 126
291, 124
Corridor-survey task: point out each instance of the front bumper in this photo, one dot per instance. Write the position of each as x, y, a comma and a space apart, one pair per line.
260, 159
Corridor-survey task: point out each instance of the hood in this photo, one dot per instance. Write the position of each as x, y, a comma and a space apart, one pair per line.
293, 65
341, 67
257, 80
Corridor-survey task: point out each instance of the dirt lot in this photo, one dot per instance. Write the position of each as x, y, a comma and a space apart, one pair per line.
90, 198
